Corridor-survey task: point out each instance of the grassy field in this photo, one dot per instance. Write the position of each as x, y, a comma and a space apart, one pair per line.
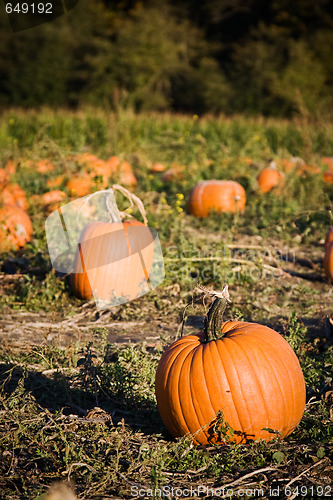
77, 385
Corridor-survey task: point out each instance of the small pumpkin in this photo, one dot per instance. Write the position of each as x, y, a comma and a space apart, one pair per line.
13, 194
15, 228
10, 167
234, 381
222, 196
44, 166
126, 175
121, 171
269, 178
328, 262
80, 184
328, 176
55, 181
175, 173
4, 177
157, 167
328, 160
113, 261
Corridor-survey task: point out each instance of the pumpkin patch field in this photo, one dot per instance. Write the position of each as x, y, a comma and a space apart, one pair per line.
215, 382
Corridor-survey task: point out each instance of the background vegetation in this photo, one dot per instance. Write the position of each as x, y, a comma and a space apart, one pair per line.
252, 56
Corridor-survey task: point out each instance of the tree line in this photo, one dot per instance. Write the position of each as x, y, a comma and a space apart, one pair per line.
257, 57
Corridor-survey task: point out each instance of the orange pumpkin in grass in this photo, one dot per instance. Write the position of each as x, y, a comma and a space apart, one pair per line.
15, 228
113, 261
44, 166
55, 181
306, 169
52, 199
13, 194
221, 196
10, 167
235, 381
328, 262
126, 175
175, 173
328, 160
4, 177
328, 176
269, 178
80, 184
157, 167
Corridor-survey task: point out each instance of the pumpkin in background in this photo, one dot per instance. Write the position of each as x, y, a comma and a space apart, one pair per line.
235, 381
55, 181
329, 237
44, 166
328, 160
80, 184
328, 176
113, 163
10, 167
328, 262
4, 177
52, 199
15, 228
95, 167
290, 164
121, 171
222, 196
126, 175
175, 173
157, 167
269, 178
13, 194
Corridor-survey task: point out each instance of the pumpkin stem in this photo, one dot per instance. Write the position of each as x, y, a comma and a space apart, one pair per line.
214, 318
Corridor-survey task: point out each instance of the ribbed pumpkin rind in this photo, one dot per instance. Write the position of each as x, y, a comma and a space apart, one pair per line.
252, 375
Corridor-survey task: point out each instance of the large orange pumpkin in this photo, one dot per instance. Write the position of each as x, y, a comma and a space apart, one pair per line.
234, 381
113, 261
269, 178
15, 228
222, 196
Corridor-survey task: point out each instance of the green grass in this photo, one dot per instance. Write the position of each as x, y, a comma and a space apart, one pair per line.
49, 388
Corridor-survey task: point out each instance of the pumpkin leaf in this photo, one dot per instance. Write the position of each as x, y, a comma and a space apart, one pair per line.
278, 456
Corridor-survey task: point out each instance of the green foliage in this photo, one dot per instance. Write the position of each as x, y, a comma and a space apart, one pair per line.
199, 58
